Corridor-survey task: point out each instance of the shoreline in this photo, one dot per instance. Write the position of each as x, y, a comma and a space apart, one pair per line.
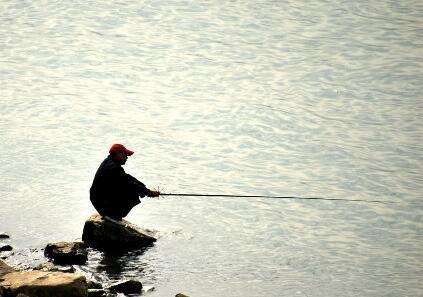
59, 271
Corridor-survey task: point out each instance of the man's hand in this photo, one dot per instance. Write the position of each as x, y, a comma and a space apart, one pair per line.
153, 194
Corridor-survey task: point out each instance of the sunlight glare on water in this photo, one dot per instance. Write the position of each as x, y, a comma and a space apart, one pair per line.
291, 98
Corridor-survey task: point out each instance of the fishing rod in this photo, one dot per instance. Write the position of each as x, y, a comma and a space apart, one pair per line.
274, 197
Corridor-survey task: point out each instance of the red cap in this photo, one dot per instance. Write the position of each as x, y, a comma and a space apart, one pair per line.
117, 147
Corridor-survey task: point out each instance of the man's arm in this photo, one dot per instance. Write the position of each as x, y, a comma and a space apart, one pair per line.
143, 190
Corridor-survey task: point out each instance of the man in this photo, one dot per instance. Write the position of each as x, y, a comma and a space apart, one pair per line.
113, 192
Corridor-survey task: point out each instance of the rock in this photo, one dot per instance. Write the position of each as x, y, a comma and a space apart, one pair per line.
106, 233
4, 235
181, 295
21, 295
51, 267
48, 266
67, 252
96, 293
46, 284
147, 289
5, 248
127, 287
5, 269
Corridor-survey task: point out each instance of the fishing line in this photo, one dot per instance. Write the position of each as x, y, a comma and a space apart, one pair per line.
275, 197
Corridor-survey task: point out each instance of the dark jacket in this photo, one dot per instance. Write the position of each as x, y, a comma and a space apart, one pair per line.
114, 189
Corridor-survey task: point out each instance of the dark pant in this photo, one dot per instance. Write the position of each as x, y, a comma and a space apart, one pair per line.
115, 207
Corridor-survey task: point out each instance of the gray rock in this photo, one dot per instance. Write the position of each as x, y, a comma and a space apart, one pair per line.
67, 252
96, 293
5, 248
4, 235
127, 287
106, 233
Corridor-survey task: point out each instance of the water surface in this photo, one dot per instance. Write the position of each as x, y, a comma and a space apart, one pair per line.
312, 98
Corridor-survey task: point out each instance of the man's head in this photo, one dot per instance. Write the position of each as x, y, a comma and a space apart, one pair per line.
120, 153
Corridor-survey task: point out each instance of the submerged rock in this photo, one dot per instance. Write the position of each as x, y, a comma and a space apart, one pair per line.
51, 267
5, 248
67, 252
127, 287
46, 284
106, 233
4, 235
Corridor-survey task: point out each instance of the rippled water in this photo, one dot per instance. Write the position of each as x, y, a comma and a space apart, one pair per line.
305, 98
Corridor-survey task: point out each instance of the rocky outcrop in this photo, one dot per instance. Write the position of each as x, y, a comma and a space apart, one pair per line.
106, 233
46, 284
127, 287
64, 253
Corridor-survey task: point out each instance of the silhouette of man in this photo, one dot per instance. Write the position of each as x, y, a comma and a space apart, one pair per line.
114, 192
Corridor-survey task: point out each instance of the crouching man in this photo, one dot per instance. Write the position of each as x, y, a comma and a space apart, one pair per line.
114, 192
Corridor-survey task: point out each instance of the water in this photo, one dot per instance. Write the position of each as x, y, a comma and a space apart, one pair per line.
313, 98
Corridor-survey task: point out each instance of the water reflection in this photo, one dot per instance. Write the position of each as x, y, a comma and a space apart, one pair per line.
114, 262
